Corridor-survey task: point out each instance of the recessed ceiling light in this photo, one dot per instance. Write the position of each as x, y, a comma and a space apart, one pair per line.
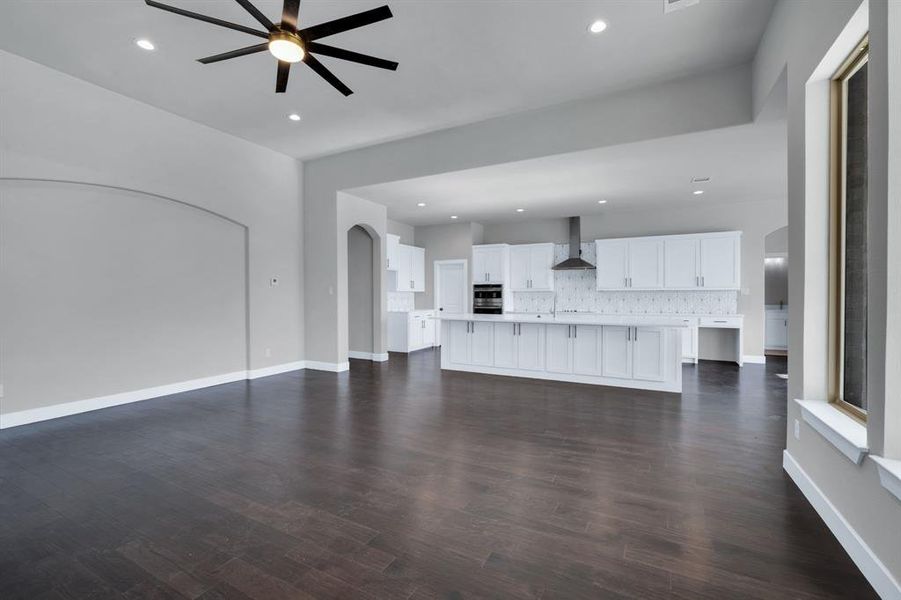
520, 210
602, 202
453, 216
698, 192
294, 117
420, 204
597, 27
145, 44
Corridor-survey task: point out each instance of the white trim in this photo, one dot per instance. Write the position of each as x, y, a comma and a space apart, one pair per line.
869, 564
317, 365
436, 289
889, 474
843, 432
373, 356
275, 369
24, 417
756, 359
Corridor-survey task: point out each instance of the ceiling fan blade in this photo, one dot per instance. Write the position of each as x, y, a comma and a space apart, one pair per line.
289, 14
234, 53
326, 74
256, 14
363, 59
281, 77
367, 17
213, 20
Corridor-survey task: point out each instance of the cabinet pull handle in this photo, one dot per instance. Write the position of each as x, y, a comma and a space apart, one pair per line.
636, 334
575, 331
702, 281
628, 334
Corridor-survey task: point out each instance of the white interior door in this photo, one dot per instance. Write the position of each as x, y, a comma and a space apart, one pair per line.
451, 292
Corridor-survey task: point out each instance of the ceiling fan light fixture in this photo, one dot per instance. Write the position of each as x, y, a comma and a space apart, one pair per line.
286, 47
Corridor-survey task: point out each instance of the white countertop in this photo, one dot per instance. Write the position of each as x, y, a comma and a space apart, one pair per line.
570, 319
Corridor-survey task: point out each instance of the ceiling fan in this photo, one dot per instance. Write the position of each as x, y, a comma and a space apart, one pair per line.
290, 45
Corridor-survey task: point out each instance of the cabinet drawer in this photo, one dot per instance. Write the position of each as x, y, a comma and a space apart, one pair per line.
721, 322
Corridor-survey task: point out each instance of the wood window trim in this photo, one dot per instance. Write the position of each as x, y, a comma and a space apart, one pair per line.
837, 188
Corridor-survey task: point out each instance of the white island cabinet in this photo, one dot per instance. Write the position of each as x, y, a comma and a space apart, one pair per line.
616, 351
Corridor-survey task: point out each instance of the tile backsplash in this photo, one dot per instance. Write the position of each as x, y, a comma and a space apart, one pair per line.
575, 291
400, 301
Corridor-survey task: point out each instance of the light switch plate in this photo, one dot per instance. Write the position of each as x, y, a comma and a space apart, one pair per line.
797, 429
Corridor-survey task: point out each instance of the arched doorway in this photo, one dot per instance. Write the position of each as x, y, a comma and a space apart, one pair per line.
362, 307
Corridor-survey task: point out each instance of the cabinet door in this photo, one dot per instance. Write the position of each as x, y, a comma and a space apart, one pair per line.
648, 346
530, 347
459, 342
586, 349
558, 354
505, 339
428, 332
391, 244
681, 263
482, 344
689, 342
479, 265
720, 262
404, 275
520, 261
646, 264
418, 268
541, 260
494, 263
776, 333
612, 257
414, 333
616, 355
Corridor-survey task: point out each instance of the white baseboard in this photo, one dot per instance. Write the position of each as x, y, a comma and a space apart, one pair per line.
868, 563
327, 366
276, 369
24, 417
757, 359
373, 356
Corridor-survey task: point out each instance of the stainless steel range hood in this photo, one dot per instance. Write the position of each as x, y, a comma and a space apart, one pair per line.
574, 262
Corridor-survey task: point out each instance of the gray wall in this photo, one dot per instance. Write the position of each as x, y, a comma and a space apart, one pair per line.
359, 289
56, 127
754, 219
776, 282
799, 36
442, 242
406, 232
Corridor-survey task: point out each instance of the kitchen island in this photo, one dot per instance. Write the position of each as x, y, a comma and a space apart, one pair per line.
619, 351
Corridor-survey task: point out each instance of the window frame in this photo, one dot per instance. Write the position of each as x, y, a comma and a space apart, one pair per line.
838, 179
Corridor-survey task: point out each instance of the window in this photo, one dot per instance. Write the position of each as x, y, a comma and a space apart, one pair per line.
848, 236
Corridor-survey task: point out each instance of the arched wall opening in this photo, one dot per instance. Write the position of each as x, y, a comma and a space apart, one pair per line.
361, 298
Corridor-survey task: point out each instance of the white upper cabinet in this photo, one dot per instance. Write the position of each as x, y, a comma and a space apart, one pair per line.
681, 266
391, 243
720, 262
418, 268
489, 263
408, 266
612, 264
646, 264
697, 261
531, 268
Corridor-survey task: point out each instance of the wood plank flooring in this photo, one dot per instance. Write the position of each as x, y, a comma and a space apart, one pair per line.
398, 481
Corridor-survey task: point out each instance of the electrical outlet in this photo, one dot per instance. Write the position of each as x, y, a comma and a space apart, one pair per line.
268, 352
797, 429
273, 282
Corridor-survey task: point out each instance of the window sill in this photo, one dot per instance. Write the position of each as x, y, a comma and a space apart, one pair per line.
843, 432
889, 474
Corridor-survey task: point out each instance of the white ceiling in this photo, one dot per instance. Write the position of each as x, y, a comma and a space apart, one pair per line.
744, 163
460, 60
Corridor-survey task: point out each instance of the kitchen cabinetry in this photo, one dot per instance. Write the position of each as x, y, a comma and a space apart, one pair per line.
776, 330
490, 263
409, 268
634, 352
531, 268
471, 343
685, 262
411, 331
519, 346
391, 243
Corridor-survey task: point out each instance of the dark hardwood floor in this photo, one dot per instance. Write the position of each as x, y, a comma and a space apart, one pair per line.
398, 481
